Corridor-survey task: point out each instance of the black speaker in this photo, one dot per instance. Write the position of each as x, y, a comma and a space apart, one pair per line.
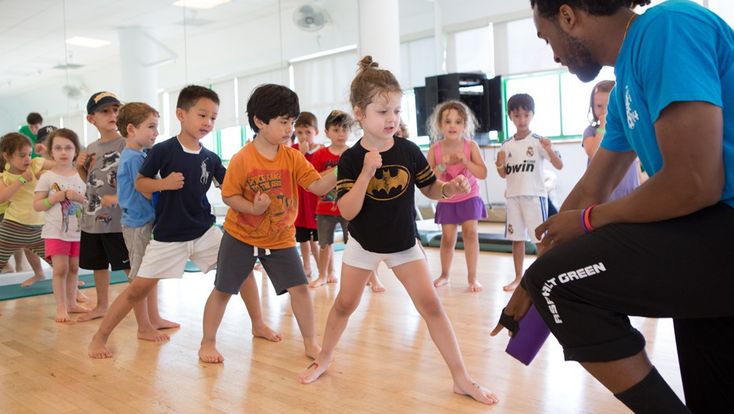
483, 96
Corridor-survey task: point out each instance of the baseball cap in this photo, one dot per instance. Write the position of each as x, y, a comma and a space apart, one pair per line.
101, 99
43, 132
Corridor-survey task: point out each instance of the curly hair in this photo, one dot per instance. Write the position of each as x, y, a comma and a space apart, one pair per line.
434, 121
549, 8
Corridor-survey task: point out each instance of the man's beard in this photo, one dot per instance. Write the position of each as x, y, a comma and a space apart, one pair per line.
580, 61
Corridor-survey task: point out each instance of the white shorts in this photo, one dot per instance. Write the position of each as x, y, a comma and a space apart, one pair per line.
165, 260
356, 256
524, 215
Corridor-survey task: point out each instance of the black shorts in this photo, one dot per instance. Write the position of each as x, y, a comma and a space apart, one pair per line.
585, 289
304, 234
99, 251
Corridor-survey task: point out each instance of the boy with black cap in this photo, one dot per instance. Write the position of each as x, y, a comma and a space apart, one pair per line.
102, 244
39, 147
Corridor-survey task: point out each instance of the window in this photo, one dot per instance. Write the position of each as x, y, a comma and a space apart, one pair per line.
474, 50
561, 101
417, 61
230, 141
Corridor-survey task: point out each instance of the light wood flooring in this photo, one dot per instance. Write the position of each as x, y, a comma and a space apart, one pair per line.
386, 361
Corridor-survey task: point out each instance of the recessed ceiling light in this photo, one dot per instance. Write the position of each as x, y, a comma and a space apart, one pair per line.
86, 42
200, 4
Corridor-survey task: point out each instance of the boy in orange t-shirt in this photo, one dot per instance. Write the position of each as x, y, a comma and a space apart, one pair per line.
261, 189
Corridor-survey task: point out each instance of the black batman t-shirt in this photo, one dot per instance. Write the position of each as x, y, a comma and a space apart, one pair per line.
386, 223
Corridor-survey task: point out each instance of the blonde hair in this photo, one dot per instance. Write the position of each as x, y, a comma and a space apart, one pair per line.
134, 113
434, 121
370, 82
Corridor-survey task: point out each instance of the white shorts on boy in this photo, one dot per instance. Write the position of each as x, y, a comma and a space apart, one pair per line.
356, 256
524, 215
166, 260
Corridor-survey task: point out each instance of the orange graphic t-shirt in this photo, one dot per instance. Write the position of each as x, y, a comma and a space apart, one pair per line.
249, 172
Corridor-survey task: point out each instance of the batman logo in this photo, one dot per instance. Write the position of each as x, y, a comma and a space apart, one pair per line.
389, 182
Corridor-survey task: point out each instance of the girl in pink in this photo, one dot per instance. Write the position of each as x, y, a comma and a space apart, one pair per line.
60, 194
452, 125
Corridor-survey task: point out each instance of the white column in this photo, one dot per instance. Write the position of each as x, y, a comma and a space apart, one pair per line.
442, 53
138, 55
379, 33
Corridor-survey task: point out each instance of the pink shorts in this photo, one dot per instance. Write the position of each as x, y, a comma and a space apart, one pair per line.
61, 247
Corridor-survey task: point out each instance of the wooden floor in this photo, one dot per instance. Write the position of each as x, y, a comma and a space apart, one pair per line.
386, 362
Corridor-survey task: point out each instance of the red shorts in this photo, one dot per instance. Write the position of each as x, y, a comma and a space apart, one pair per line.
61, 247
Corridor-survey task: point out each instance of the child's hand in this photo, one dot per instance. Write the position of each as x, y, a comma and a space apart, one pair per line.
372, 161
109, 200
75, 196
57, 197
174, 181
85, 160
458, 158
260, 203
546, 143
459, 185
501, 159
27, 174
40, 149
304, 147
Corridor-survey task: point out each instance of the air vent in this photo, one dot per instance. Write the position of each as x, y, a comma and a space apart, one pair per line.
68, 66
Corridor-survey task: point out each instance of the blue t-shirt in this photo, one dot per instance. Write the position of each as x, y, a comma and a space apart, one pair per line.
136, 209
185, 214
677, 51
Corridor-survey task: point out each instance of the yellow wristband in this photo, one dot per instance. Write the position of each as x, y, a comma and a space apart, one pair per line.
22, 180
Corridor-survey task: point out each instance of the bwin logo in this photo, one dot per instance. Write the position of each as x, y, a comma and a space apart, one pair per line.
524, 167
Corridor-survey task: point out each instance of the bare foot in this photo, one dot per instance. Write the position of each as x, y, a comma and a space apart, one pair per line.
78, 309
475, 286
80, 283
313, 349
95, 313
153, 336
313, 371
332, 279
31, 280
512, 286
307, 272
264, 331
62, 317
81, 297
376, 286
320, 281
476, 391
208, 353
98, 348
161, 323
441, 281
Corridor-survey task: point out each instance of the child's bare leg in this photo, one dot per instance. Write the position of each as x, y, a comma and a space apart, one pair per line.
146, 330
470, 235
347, 300
314, 247
135, 292
154, 314
518, 257
415, 277
72, 279
306, 257
35, 263
60, 272
251, 297
448, 243
324, 260
375, 284
303, 311
102, 286
213, 314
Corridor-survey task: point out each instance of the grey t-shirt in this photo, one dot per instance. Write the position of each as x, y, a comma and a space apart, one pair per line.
101, 181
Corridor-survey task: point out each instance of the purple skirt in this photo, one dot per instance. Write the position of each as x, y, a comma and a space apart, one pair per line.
457, 213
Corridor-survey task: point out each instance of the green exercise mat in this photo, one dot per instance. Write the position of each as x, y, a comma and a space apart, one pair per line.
43, 287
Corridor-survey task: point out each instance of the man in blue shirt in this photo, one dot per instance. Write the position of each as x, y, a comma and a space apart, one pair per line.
661, 251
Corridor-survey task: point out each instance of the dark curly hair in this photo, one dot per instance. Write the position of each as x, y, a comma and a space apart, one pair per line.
549, 8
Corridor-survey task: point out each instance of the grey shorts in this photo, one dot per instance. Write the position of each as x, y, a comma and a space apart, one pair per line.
327, 225
236, 260
136, 240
